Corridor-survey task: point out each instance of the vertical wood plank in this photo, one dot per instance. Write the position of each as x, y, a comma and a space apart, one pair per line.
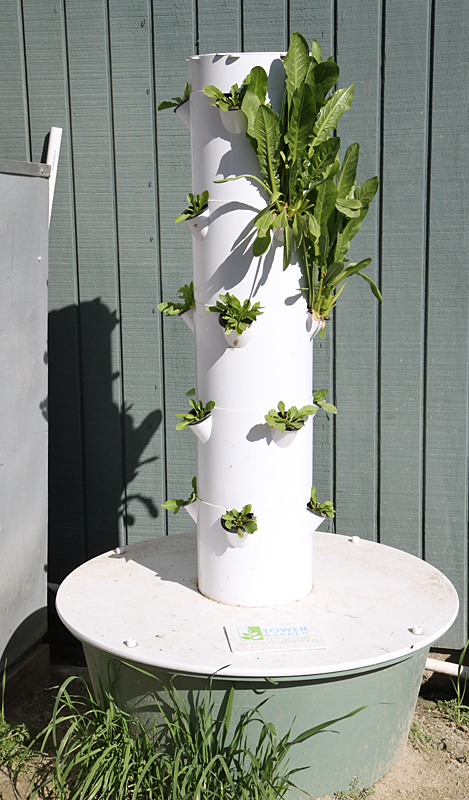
219, 26
45, 40
403, 274
14, 113
355, 318
172, 47
264, 25
446, 444
91, 122
135, 156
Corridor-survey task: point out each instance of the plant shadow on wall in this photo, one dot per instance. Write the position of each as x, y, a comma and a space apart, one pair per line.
95, 447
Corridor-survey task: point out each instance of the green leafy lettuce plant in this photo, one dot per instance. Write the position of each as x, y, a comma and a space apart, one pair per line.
319, 396
198, 411
234, 315
324, 509
195, 204
174, 505
289, 419
175, 102
255, 84
312, 198
240, 522
186, 295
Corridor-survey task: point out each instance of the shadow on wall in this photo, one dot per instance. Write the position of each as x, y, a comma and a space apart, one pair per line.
95, 451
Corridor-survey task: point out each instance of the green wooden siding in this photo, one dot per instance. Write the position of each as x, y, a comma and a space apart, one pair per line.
395, 459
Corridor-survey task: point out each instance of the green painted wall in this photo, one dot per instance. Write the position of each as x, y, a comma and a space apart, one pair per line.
395, 460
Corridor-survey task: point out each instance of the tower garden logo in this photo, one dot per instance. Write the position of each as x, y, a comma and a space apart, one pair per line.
253, 633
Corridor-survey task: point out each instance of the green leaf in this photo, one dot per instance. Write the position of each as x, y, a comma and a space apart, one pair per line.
326, 75
324, 154
329, 408
256, 82
333, 272
261, 244
366, 191
302, 118
322, 332
213, 92
352, 269
264, 224
373, 286
316, 51
319, 395
250, 107
267, 132
296, 63
318, 728
348, 175
287, 247
331, 112
166, 104
325, 202
314, 227
190, 393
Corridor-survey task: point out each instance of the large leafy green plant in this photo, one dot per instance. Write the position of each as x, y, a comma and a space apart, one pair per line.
312, 198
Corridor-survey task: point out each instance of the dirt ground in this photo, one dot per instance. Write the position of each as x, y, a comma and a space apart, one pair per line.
434, 766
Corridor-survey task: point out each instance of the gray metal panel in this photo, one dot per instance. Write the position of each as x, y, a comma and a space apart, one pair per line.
24, 168
24, 205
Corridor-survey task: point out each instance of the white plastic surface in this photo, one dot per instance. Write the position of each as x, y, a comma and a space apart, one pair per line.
364, 602
202, 428
188, 317
183, 112
234, 121
275, 567
199, 225
240, 464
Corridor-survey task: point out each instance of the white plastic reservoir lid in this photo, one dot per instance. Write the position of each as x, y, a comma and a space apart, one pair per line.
370, 604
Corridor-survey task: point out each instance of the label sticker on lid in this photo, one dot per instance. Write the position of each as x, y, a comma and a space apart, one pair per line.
281, 637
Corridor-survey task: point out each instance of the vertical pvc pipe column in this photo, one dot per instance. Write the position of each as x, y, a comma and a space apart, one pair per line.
240, 463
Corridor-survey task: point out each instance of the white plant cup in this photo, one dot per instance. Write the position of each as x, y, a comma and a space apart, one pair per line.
183, 112
313, 326
283, 438
234, 539
234, 120
199, 225
234, 339
202, 428
188, 317
192, 509
315, 519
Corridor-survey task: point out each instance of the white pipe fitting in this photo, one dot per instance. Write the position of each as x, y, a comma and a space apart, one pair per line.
445, 667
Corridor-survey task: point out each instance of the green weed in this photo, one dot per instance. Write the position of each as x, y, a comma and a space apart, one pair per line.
103, 752
14, 740
354, 793
418, 736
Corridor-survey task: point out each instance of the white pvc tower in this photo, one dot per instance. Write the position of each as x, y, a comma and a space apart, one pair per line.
240, 463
